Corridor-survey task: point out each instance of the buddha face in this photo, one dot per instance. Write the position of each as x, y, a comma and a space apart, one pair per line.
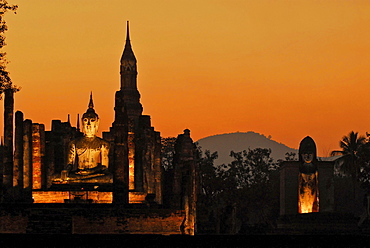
90, 124
307, 157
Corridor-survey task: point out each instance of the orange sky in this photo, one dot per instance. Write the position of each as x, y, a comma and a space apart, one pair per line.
285, 68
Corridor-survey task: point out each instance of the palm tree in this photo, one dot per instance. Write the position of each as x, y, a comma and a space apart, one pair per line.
352, 154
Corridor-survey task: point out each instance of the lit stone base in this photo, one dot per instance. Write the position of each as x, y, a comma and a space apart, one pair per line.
136, 197
87, 196
65, 196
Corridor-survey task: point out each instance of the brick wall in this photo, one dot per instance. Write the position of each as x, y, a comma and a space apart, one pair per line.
13, 222
92, 219
132, 223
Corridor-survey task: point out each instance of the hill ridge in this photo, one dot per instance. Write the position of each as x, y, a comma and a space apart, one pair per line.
239, 141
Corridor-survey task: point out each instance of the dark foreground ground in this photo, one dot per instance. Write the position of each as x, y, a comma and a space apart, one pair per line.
36, 240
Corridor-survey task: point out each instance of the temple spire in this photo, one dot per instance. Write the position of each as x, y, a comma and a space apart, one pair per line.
90, 110
127, 33
128, 54
91, 103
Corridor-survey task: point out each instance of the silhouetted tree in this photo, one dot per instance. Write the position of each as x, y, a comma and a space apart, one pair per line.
249, 167
250, 174
290, 156
364, 176
5, 81
242, 188
210, 187
354, 161
352, 154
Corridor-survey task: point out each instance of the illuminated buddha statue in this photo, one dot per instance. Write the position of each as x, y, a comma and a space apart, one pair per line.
88, 155
308, 188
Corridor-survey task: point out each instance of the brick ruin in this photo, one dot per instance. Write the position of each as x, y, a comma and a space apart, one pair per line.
134, 161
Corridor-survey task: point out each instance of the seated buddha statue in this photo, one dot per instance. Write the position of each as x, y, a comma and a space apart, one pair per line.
88, 155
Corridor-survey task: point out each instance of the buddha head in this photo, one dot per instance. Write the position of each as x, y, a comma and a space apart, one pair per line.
307, 150
90, 121
307, 156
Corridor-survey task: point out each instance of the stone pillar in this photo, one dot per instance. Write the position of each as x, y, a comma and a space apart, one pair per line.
121, 148
1, 165
186, 180
8, 138
144, 166
18, 156
121, 166
158, 179
192, 198
27, 160
50, 160
131, 157
38, 153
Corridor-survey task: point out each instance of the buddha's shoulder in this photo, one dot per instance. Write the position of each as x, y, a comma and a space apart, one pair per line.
102, 141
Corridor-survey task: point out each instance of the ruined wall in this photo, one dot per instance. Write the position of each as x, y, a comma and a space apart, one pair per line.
39, 219
134, 222
56, 147
148, 159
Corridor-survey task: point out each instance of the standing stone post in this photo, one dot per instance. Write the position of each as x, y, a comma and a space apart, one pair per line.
1, 165
8, 142
27, 161
121, 168
158, 169
120, 153
186, 180
38, 152
18, 156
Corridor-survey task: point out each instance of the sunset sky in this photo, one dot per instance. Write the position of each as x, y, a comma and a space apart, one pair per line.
285, 68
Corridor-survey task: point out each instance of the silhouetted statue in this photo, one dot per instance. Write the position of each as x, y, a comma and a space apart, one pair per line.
308, 188
88, 155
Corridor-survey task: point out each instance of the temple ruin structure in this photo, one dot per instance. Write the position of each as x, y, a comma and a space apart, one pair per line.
306, 185
71, 166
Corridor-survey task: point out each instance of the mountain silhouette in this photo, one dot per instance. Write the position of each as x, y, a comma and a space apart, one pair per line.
237, 142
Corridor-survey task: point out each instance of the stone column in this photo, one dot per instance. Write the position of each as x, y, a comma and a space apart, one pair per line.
120, 152
8, 142
131, 157
186, 180
18, 155
27, 161
8, 138
44, 173
38, 152
121, 166
158, 169
191, 200
1, 164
